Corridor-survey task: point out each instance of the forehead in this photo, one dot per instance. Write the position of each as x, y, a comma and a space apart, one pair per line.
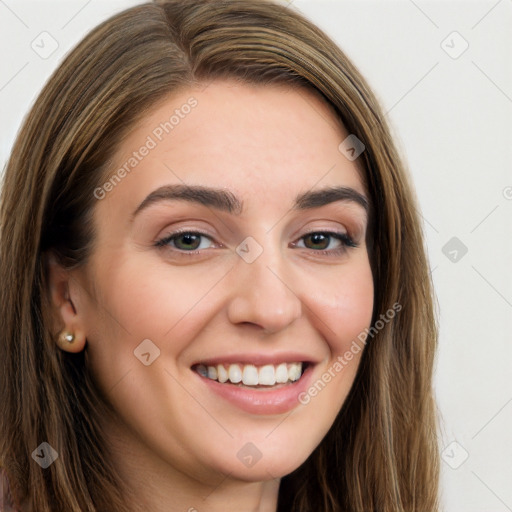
264, 142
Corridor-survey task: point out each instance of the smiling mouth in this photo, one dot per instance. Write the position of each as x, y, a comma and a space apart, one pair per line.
253, 376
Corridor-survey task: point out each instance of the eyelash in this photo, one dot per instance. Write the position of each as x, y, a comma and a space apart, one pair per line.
346, 240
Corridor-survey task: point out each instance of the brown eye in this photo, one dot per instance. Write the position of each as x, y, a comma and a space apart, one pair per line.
318, 241
327, 242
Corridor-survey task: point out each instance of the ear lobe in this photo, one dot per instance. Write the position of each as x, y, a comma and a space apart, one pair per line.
65, 314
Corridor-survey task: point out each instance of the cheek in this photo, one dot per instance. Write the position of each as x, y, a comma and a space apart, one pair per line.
342, 311
139, 301
149, 299
343, 305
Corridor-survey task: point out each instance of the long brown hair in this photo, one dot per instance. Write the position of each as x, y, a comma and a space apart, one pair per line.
381, 453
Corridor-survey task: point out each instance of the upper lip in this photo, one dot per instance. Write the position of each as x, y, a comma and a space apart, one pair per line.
258, 359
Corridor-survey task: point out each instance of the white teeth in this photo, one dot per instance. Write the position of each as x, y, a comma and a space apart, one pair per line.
266, 375
281, 373
252, 375
294, 371
235, 373
222, 374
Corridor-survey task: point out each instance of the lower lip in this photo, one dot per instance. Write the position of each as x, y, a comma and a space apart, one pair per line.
261, 400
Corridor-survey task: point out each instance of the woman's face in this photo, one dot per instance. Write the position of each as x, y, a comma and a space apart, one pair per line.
221, 254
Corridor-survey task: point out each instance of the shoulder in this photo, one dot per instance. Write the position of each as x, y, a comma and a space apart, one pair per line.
5, 494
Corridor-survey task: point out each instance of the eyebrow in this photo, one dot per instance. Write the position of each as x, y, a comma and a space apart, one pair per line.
317, 198
217, 198
226, 201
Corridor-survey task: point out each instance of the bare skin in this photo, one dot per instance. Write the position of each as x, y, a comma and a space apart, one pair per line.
178, 444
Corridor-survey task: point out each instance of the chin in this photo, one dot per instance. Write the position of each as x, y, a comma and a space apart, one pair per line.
265, 460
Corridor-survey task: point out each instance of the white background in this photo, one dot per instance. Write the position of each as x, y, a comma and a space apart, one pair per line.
452, 120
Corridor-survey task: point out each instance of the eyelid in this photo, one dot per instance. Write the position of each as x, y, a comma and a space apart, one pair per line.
346, 240
161, 240
340, 230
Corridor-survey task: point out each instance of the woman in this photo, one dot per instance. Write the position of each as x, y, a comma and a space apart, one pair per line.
216, 295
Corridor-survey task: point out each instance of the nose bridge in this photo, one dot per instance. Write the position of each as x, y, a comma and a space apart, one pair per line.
262, 293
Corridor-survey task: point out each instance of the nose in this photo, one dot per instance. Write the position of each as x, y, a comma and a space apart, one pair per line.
262, 294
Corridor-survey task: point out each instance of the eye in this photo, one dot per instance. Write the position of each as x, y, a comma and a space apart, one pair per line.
321, 242
186, 241
326, 242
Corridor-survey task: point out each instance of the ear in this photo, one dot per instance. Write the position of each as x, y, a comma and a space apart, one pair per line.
64, 296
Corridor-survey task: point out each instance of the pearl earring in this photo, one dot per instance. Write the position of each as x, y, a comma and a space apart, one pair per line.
66, 338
